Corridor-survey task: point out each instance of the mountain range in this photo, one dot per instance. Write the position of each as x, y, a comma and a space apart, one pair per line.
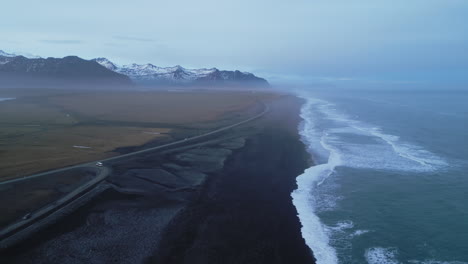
19, 71
27, 70
151, 74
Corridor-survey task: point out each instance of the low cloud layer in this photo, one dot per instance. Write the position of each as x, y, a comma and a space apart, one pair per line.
399, 41
61, 41
133, 38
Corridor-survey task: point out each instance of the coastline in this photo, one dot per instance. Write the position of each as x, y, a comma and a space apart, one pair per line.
243, 209
245, 213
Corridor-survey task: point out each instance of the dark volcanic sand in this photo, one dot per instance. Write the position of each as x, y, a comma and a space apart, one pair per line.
245, 214
159, 212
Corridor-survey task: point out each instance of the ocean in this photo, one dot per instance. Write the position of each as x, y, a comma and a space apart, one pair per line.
390, 183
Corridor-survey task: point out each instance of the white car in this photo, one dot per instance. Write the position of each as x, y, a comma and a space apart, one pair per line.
27, 216
99, 164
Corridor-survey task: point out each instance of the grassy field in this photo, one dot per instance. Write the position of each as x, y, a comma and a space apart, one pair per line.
42, 131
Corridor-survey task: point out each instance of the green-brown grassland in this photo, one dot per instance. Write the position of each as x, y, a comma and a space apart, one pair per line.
53, 129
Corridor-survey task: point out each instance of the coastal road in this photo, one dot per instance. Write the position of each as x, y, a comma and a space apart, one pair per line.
34, 216
175, 143
23, 226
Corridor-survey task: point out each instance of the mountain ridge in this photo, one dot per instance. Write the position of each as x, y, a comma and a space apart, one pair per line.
18, 69
152, 74
70, 70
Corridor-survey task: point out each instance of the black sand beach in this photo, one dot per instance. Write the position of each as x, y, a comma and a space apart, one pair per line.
225, 201
245, 213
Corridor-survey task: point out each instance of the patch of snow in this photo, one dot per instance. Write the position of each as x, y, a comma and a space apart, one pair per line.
4, 54
16, 54
106, 63
152, 72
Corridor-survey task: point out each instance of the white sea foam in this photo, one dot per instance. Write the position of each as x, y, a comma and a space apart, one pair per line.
409, 151
326, 133
380, 255
359, 232
393, 154
329, 136
313, 230
342, 226
436, 262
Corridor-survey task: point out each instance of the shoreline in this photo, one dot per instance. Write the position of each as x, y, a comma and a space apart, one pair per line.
245, 213
153, 206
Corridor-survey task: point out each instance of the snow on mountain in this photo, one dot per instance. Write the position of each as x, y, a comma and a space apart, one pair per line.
28, 55
106, 63
11, 55
148, 72
152, 74
5, 57
4, 54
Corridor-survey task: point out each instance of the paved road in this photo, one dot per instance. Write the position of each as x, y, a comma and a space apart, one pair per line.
26, 225
92, 164
103, 173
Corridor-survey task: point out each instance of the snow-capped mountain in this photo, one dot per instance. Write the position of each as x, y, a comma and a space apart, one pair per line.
16, 54
67, 71
106, 63
4, 54
6, 57
71, 67
151, 74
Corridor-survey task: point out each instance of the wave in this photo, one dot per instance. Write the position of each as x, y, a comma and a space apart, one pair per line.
436, 262
336, 140
390, 153
380, 255
359, 232
313, 231
407, 151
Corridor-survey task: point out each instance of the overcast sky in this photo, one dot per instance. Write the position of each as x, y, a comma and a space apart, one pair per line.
314, 40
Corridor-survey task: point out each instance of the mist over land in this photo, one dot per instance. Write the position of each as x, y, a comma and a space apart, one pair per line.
206, 132
304, 41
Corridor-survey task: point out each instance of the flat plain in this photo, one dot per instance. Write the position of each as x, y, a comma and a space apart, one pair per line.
40, 131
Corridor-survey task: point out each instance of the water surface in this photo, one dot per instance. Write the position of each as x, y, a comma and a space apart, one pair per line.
391, 185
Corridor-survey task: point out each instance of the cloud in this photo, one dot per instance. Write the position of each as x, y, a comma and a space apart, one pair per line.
134, 38
11, 41
61, 41
111, 44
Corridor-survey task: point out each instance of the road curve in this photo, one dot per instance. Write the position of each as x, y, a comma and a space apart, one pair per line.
102, 174
23, 226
